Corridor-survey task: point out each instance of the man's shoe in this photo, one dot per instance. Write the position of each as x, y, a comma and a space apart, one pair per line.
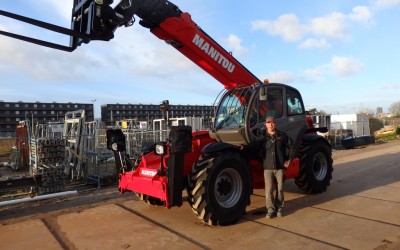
279, 214
269, 215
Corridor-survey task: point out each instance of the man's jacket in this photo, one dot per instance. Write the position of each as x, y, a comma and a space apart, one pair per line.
273, 150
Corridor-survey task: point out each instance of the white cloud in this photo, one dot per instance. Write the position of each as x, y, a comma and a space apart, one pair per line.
331, 26
335, 25
63, 8
288, 26
20, 58
361, 14
280, 77
345, 66
382, 4
340, 66
234, 44
140, 52
391, 86
314, 43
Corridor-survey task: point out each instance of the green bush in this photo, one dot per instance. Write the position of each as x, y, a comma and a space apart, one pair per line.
6, 145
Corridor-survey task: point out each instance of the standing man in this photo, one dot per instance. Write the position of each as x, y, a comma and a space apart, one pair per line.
277, 152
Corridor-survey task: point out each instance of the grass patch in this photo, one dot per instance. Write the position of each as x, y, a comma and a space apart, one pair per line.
6, 145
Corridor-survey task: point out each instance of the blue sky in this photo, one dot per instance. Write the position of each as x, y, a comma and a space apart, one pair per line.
342, 55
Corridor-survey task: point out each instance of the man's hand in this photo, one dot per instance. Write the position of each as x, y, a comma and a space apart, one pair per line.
286, 164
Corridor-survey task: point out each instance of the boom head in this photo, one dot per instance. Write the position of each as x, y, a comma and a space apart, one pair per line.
99, 20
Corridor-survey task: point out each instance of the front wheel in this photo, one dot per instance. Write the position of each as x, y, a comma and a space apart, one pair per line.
315, 171
219, 188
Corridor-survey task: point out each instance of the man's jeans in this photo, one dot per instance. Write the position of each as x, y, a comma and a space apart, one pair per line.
274, 189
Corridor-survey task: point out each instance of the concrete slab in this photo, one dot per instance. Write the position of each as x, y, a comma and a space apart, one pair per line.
338, 229
364, 207
255, 233
385, 193
111, 227
31, 234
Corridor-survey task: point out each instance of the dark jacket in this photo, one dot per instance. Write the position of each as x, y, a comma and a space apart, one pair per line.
273, 150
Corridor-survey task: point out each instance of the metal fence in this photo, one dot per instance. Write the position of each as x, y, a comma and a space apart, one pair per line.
81, 159
342, 130
138, 140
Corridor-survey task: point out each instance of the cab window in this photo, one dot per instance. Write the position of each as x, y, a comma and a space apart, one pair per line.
294, 103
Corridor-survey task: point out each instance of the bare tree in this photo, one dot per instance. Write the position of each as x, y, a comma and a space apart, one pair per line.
365, 110
394, 109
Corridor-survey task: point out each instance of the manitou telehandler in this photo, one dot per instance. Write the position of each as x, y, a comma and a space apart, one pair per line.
218, 177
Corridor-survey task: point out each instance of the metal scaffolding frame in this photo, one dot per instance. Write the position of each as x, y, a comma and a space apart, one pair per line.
73, 130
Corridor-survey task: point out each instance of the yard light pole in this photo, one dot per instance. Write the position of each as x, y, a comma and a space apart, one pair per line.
93, 101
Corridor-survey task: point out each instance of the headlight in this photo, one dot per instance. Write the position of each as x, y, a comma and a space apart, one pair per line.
160, 149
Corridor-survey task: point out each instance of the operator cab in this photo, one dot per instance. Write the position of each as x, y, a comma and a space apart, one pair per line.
242, 111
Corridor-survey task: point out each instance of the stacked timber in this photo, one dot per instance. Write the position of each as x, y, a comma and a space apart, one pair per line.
386, 132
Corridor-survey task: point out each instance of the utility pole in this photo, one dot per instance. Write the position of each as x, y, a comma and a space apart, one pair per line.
164, 106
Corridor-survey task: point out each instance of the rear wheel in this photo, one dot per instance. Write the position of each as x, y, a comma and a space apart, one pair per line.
316, 169
219, 188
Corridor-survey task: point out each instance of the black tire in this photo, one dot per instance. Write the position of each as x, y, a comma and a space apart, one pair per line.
316, 169
219, 188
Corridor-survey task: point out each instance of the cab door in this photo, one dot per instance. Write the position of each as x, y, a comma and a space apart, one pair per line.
295, 113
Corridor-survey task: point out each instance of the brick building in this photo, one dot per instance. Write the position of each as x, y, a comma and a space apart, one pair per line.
11, 113
110, 113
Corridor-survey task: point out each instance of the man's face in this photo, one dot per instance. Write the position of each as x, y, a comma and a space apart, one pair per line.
270, 125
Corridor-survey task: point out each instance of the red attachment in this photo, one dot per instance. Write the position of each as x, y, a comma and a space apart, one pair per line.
155, 186
145, 179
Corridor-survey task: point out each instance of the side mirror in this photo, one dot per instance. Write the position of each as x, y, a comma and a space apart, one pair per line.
263, 93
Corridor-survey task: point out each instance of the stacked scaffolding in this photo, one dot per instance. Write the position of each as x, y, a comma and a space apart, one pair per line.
47, 156
52, 179
47, 151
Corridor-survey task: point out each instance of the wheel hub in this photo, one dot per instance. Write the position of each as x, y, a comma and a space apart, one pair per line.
228, 188
320, 166
224, 186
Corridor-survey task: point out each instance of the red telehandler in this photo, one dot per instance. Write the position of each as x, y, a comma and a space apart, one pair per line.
218, 177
